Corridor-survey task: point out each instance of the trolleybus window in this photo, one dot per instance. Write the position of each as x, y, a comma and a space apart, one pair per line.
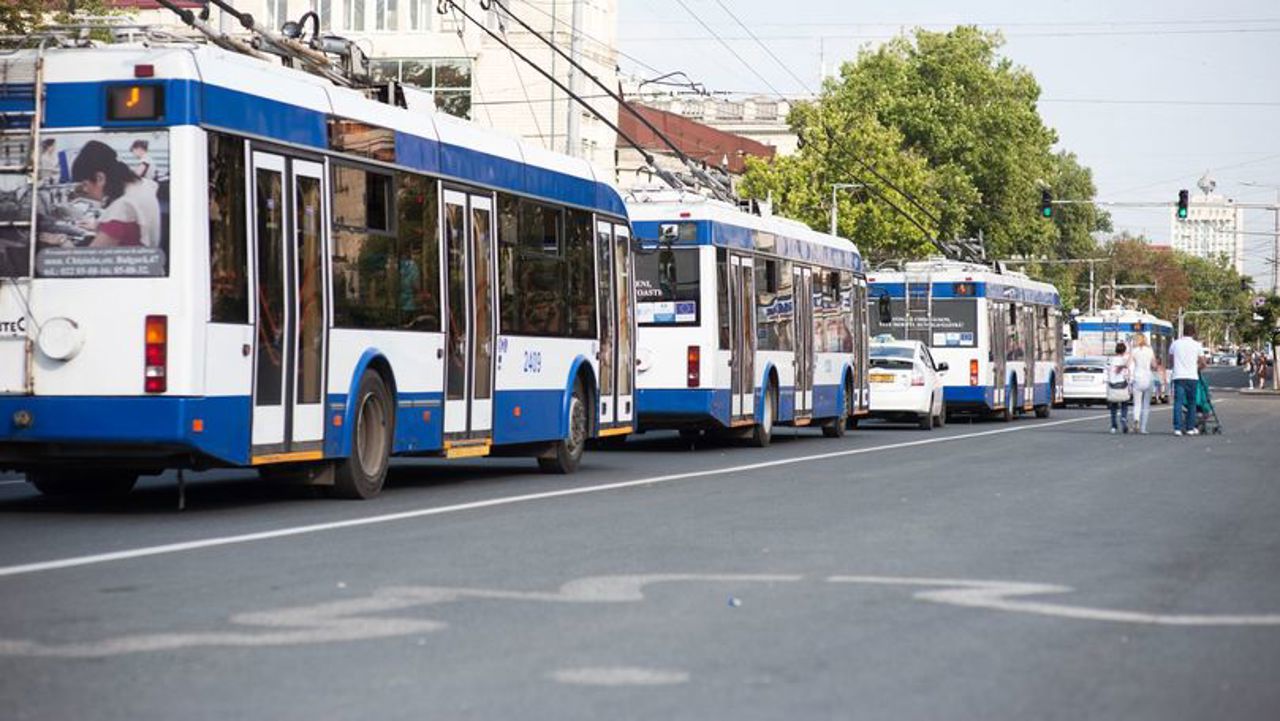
667, 286
417, 221
365, 273
228, 251
775, 305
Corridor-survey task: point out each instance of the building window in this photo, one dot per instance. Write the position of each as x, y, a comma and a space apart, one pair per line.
419, 14
447, 79
730, 111
277, 13
767, 111
387, 14
355, 15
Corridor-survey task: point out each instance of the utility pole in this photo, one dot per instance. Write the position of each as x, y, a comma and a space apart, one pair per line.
835, 207
572, 141
551, 137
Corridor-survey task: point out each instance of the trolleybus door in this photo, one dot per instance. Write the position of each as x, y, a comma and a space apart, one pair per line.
616, 300
997, 349
742, 352
624, 292
470, 336
1030, 352
804, 341
608, 321
289, 344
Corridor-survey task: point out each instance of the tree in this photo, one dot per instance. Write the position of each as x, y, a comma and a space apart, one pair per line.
942, 118
20, 17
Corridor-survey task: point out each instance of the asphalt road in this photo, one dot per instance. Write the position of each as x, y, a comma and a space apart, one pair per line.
1037, 570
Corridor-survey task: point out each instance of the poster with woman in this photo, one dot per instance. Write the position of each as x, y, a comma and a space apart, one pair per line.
102, 207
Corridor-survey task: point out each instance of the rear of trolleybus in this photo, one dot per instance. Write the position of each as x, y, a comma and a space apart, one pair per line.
720, 348
1003, 351
101, 313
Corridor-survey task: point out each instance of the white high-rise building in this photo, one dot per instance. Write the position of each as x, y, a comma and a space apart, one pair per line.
1212, 228
469, 73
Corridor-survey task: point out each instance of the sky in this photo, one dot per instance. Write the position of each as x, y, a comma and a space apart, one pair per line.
1149, 95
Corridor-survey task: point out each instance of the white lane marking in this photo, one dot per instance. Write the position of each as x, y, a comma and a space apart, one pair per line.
360, 619
1001, 596
183, 546
11, 483
620, 676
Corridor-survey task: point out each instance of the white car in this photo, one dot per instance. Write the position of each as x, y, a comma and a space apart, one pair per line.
906, 383
1084, 380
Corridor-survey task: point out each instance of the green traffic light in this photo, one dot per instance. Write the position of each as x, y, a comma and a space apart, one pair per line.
1047, 211
1182, 213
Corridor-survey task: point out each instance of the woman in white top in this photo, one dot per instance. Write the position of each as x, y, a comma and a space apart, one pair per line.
1145, 366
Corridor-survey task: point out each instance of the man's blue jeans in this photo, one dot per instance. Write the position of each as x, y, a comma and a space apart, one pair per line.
1184, 404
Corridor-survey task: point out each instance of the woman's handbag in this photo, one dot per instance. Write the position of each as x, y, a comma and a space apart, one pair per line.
1118, 392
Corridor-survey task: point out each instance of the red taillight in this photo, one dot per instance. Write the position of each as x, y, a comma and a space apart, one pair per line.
144, 71
973, 371
156, 354
694, 373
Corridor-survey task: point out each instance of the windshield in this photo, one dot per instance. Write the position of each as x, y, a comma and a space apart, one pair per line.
667, 287
101, 207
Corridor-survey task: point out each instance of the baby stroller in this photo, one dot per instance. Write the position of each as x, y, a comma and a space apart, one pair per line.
1206, 416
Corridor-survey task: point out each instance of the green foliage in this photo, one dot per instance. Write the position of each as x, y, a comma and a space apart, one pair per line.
23, 17
945, 118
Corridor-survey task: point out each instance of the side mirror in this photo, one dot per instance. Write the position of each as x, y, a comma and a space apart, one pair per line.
943, 367
885, 309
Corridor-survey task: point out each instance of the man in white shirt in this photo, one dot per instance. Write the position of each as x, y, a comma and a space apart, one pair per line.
1187, 359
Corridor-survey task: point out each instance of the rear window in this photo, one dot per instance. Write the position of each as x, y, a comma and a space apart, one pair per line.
891, 363
881, 351
667, 287
102, 207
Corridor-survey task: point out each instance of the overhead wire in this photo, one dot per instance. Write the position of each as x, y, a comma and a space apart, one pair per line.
764, 47
751, 68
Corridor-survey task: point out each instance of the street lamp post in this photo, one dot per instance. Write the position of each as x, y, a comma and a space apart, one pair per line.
835, 207
1275, 243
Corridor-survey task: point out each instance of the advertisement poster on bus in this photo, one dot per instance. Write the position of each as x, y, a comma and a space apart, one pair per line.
102, 207
949, 323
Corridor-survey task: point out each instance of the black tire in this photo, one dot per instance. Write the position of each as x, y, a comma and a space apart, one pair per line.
941, 420
925, 421
1042, 411
566, 454
83, 483
835, 427
762, 432
360, 475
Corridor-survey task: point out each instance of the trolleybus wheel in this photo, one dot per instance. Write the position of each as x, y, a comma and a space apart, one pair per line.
835, 427
361, 474
83, 483
1005, 414
1042, 411
566, 454
762, 432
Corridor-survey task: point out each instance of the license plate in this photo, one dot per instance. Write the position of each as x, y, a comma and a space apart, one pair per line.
882, 378
1081, 379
